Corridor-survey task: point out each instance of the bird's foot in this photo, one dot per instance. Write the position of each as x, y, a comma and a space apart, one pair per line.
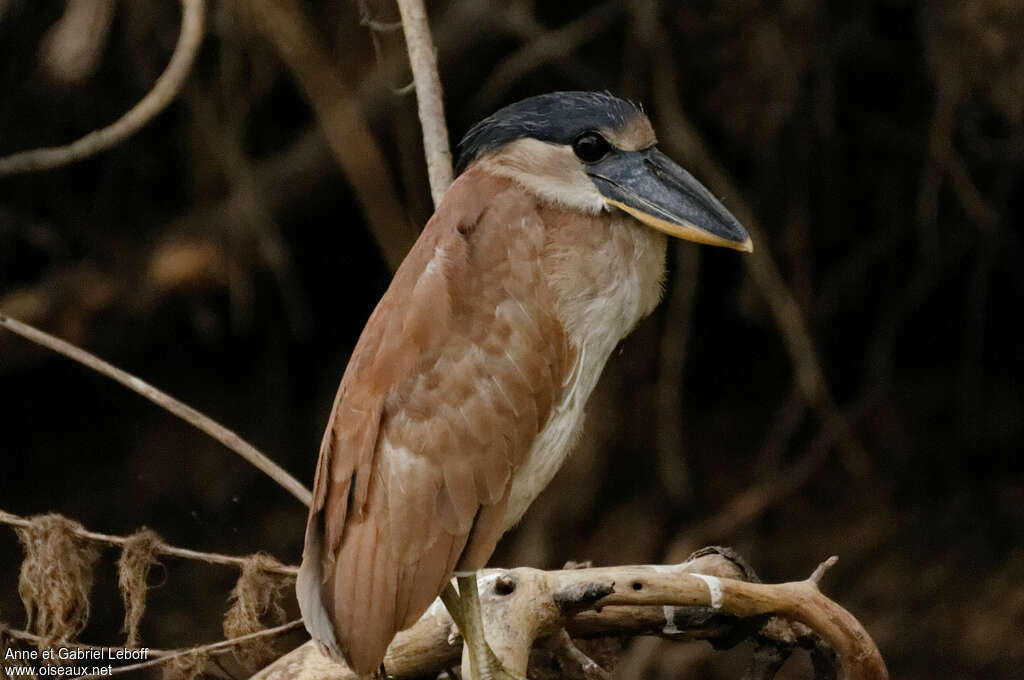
491, 668
464, 607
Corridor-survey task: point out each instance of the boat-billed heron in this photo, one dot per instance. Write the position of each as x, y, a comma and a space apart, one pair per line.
466, 390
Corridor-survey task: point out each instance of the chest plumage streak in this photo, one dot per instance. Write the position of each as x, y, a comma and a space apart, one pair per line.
598, 299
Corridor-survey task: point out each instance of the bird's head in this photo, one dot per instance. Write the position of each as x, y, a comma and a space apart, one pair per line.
591, 151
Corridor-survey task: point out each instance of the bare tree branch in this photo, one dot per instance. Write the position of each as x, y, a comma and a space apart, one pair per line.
429, 97
685, 601
166, 401
156, 100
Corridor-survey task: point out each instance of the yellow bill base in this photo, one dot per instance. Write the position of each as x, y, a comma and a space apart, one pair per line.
685, 231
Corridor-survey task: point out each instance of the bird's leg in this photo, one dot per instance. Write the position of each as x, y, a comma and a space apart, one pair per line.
472, 627
465, 610
450, 597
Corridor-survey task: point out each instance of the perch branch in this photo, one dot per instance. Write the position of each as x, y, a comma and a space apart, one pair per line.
702, 598
166, 401
156, 100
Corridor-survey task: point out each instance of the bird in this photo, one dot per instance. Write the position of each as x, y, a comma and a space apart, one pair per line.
466, 390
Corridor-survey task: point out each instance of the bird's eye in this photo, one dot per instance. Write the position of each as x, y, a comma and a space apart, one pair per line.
591, 147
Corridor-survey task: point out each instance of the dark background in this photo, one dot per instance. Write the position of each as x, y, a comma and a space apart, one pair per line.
223, 255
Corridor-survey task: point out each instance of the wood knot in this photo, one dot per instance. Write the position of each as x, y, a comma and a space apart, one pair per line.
505, 584
582, 595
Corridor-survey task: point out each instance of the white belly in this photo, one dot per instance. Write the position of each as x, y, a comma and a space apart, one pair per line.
624, 280
550, 449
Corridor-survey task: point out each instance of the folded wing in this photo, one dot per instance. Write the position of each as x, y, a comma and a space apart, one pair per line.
449, 384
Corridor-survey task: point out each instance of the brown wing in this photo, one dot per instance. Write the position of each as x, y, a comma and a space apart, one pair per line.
451, 380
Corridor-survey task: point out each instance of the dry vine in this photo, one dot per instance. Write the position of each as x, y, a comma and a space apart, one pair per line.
57, 575
156, 100
160, 547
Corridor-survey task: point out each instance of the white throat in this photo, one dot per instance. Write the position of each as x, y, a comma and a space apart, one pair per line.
600, 299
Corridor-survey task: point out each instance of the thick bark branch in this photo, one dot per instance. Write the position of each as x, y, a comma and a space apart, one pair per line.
702, 598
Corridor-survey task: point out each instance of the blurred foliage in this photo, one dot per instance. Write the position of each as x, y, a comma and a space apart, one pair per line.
222, 255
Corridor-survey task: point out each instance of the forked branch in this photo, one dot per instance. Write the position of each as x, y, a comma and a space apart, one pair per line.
702, 598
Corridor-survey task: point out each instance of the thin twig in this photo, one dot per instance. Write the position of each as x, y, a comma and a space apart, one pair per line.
377, 29
166, 401
156, 100
429, 98
213, 648
381, 26
13, 520
819, 571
